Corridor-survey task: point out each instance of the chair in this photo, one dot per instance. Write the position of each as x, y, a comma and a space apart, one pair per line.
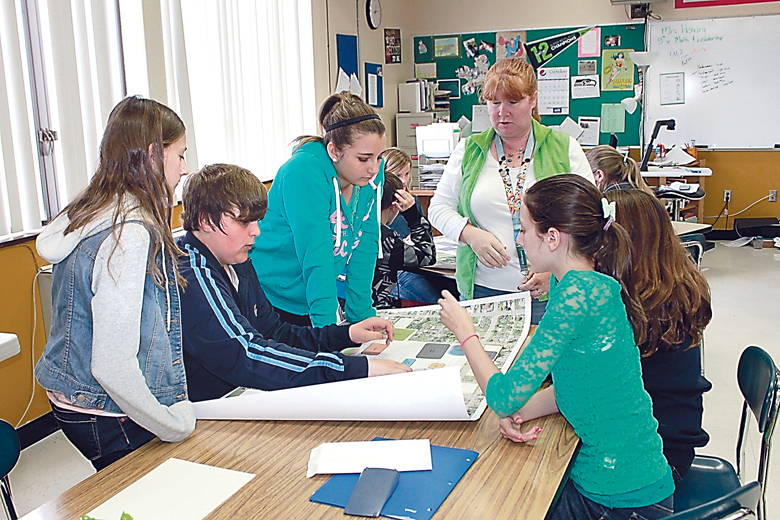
677, 198
711, 478
739, 504
9, 455
695, 243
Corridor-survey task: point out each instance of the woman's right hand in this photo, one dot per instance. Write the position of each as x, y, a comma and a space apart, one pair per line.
489, 250
383, 367
455, 317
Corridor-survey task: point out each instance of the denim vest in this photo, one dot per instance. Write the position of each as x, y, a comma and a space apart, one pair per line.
65, 364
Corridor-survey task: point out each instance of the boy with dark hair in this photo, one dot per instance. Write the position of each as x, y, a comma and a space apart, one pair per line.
397, 254
231, 335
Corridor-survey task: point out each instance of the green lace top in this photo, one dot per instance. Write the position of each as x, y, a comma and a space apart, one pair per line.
586, 341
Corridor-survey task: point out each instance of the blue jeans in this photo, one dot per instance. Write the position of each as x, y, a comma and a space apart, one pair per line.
424, 288
101, 439
574, 506
537, 307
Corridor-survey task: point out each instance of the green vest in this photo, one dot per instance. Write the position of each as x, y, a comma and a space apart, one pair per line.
551, 157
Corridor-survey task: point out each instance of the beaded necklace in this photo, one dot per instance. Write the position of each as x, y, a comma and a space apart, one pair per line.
514, 196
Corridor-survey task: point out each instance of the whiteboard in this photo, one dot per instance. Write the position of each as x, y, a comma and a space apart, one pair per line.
730, 76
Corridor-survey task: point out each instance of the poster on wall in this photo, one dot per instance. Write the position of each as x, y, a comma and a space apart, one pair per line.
510, 44
446, 47
392, 45
553, 96
617, 70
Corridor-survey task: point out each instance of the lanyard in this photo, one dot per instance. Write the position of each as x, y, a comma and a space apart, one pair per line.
514, 196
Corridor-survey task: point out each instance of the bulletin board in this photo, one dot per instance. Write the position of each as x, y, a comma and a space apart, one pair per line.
723, 73
480, 50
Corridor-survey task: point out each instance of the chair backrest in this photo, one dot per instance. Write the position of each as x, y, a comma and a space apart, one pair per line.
740, 503
9, 448
758, 378
695, 244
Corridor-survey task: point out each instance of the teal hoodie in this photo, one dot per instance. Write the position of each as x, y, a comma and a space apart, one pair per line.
296, 256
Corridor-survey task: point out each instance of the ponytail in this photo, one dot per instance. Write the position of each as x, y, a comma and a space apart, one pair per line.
614, 258
616, 167
341, 108
574, 206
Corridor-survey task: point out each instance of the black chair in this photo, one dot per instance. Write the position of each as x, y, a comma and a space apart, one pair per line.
9, 455
678, 199
711, 478
739, 504
696, 244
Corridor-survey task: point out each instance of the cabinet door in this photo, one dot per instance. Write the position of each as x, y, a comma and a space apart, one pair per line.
406, 125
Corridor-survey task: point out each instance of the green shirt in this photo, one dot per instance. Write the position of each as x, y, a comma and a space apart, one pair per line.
586, 341
296, 257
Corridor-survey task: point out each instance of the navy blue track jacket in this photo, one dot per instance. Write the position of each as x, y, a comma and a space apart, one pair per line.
234, 338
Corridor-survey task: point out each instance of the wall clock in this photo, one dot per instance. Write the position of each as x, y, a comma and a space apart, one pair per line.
373, 13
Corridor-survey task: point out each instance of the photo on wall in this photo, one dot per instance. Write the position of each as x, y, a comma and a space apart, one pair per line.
510, 44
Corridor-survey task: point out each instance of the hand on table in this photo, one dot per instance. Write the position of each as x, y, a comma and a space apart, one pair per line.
455, 317
372, 329
538, 284
510, 429
383, 367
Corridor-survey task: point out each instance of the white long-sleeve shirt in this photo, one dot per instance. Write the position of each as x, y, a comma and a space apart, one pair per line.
489, 208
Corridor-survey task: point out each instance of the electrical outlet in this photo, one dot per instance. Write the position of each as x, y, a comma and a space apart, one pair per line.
726, 195
772, 195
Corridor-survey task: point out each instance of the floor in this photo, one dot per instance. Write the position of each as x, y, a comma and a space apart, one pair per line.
745, 285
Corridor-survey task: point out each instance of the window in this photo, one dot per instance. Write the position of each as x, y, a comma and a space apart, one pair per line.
246, 91
252, 83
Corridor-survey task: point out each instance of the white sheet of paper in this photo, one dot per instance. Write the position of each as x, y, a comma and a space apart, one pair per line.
480, 119
424, 395
354, 85
571, 127
175, 490
353, 457
372, 89
590, 133
343, 82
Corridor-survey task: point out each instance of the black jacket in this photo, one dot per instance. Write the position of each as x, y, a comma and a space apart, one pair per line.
675, 384
234, 338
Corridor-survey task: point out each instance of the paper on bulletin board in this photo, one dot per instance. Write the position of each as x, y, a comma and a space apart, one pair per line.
374, 94
553, 88
590, 130
589, 44
175, 490
613, 118
585, 87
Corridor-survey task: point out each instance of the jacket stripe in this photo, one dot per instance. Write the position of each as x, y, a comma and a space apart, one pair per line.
235, 331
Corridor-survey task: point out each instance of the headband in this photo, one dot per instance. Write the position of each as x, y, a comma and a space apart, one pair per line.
351, 121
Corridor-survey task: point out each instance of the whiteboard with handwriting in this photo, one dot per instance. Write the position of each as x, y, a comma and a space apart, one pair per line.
730, 79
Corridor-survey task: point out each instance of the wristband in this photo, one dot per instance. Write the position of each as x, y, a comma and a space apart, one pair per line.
475, 335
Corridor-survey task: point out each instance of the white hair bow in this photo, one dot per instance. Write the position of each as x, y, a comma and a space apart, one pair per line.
608, 208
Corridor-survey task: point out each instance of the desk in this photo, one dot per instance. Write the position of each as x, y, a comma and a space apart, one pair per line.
507, 480
694, 174
683, 228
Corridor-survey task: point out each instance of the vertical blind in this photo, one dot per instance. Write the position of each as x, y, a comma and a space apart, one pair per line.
239, 72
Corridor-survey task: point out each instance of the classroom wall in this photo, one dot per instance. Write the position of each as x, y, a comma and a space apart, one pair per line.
332, 17
18, 265
749, 174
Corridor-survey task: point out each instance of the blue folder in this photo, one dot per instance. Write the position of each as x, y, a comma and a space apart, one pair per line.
418, 494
